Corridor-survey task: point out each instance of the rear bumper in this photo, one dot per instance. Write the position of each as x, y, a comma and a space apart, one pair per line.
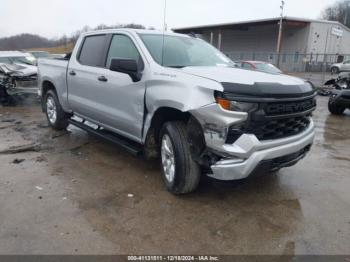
250, 155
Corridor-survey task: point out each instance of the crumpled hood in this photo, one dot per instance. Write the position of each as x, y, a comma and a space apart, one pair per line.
27, 70
241, 76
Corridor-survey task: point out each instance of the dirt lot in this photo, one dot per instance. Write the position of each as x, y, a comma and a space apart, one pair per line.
75, 194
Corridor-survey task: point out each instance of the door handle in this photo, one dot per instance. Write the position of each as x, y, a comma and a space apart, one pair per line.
72, 73
102, 79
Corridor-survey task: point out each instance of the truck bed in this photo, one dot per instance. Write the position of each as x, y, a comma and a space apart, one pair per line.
54, 71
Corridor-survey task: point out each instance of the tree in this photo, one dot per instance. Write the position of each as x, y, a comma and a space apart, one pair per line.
339, 11
28, 41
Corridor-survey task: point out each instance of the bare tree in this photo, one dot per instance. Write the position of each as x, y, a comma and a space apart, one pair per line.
339, 11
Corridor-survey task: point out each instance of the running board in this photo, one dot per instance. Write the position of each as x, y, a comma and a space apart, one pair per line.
131, 146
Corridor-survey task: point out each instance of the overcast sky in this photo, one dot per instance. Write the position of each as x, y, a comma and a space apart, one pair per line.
53, 18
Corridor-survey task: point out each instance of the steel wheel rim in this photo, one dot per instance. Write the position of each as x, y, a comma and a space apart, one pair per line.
168, 158
51, 110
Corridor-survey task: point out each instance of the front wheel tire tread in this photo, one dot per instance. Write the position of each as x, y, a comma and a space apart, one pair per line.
187, 171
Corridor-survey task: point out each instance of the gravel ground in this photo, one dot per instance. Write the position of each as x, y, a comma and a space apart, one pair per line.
70, 193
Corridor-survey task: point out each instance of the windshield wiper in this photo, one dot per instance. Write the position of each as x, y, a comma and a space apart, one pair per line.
176, 66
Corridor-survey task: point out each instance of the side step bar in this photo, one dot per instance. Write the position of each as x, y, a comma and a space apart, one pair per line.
131, 146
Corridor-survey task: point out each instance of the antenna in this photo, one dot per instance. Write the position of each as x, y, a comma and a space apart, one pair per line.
280, 32
164, 29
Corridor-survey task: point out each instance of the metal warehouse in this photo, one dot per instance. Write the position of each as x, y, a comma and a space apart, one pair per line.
304, 42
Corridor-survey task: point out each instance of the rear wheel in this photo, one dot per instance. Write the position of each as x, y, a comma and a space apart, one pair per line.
334, 108
56, 117
180, 172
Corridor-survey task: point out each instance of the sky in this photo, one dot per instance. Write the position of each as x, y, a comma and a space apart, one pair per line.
54, 18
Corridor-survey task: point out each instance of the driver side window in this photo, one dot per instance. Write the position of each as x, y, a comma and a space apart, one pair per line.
122, 47
247, 66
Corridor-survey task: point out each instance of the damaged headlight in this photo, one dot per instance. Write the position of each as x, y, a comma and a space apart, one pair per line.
236, 105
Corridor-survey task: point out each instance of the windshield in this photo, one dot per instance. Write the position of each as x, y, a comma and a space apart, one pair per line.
21, 60
5, 60
181, 51
268, 68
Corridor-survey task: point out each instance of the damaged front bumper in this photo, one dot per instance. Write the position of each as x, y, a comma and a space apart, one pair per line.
242, 158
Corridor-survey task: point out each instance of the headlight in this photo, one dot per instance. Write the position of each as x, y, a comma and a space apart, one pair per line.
237, 106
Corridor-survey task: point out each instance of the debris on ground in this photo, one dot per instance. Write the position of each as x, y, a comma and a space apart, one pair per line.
130, 195
21, 149
39, 188
60, 134
18, 161
8, 120
43, 125
40, 159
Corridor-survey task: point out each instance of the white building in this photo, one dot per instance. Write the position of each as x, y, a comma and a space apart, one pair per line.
302, 40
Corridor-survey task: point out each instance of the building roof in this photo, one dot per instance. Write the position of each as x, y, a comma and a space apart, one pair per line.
268, 21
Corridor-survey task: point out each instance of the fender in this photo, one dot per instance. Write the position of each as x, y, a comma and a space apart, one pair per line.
177, 90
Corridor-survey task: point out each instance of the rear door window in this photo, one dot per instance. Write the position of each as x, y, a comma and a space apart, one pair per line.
92, 52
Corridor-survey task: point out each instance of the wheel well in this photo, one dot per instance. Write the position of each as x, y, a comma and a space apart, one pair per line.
46, 86
166, 114
160, 117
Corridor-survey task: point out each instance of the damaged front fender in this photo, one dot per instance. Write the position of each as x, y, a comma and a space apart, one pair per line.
215, 122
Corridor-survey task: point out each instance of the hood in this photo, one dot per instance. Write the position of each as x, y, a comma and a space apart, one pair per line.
27, 70
241, 76
253, 83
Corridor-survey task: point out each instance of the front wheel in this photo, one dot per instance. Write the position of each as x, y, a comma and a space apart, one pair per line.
180, 172
56, 117
334, 108
335, 70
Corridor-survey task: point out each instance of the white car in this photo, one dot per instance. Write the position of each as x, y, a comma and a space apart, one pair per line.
25, 60
340, 67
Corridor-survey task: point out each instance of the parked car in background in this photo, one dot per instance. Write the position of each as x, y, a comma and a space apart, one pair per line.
19, 58
339, 99
259, 66
340, 67
40, 54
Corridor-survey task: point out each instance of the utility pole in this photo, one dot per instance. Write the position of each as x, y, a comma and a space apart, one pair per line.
280, 33
165, 26
346, 12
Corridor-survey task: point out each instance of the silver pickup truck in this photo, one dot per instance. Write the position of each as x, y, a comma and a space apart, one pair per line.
177, 97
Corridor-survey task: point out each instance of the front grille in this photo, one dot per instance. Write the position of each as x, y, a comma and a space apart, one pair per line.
275, 120
273, 129
279, 128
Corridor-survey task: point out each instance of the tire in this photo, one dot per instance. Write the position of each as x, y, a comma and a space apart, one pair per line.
335, 70
333, 108
55, 115
181, 174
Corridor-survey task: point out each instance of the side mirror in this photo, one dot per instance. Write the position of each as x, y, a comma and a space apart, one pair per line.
126, 66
